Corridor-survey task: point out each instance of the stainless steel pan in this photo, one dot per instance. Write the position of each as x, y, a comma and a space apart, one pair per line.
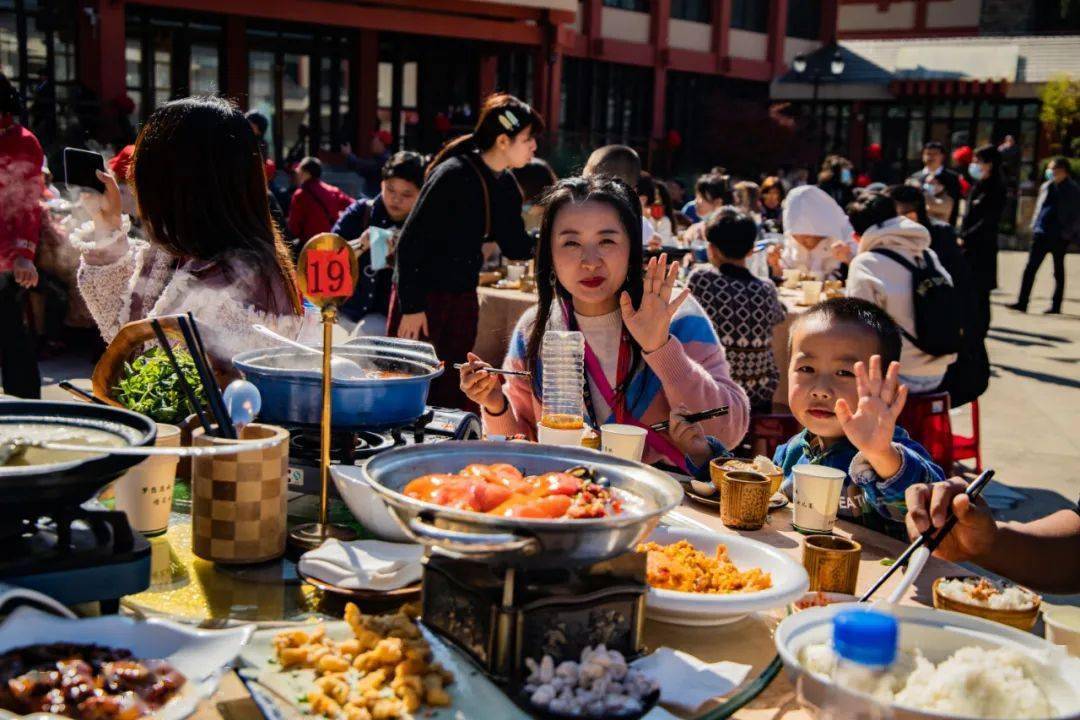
515, 541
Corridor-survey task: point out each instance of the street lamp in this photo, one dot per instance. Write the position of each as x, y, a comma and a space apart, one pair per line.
802, 66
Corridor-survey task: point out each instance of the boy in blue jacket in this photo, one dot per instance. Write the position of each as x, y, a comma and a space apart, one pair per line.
848, 409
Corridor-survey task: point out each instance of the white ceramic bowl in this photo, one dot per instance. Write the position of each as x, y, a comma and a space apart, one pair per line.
201, 655
789, 581
938, 634
1062, 626
366, 505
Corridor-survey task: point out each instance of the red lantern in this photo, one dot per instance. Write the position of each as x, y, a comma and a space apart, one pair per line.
863, 180
873, 152
674, 139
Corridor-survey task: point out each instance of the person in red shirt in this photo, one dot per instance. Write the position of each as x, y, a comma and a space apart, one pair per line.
21, 188
315, 206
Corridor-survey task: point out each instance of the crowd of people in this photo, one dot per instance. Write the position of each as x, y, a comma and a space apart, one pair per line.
676, 296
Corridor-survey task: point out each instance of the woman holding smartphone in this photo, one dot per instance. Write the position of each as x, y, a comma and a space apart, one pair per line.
213, 250
469, 200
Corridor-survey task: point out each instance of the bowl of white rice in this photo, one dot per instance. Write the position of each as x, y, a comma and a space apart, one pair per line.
949, 665
1001, 602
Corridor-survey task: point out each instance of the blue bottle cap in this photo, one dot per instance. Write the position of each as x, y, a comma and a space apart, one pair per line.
867, 637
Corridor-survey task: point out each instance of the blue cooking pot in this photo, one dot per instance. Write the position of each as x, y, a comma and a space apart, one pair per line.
290, 382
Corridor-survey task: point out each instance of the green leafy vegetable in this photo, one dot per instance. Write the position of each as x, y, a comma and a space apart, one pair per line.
888, 562
150, 386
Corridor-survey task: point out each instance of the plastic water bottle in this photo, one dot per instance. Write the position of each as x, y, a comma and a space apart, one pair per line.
865, 643
563, 357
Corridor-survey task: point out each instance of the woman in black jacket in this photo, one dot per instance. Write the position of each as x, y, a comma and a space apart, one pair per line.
979, 230
469, 199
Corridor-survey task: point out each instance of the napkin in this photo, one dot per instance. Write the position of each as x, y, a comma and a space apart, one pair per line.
364, 564
685, 681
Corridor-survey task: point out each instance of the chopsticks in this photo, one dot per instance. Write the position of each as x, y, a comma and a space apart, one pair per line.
497, 371
693, 418
192, 398
930, 539
80, 393
193, 339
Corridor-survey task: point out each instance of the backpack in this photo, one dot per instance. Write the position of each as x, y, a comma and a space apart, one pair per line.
939, 327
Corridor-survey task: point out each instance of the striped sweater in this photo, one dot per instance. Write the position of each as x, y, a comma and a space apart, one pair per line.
691, 369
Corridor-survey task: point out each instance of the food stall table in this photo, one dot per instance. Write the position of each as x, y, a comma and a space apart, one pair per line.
499, 313
748, 641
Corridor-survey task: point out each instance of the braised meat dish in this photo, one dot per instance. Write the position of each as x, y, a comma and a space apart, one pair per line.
86, 682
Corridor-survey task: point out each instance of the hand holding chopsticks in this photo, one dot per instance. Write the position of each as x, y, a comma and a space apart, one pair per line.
692, 418
497, 371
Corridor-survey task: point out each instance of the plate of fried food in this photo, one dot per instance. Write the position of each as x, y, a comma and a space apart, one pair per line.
703, 578
370, 667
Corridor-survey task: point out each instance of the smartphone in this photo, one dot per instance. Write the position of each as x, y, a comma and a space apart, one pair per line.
80, 167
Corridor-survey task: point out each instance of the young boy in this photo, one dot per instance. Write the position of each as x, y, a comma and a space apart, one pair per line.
743, 309
849, 409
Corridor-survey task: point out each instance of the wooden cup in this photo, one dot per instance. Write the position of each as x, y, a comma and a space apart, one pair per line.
832, 563
717, 473
744, 499
238, 501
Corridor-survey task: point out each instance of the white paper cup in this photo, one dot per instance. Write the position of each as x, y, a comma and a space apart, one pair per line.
1062, 627
623, 441
515, 272
145, 492
811, 291
559, 436
817, 497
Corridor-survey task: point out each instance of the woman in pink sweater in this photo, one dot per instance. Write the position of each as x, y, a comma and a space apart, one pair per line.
646, 351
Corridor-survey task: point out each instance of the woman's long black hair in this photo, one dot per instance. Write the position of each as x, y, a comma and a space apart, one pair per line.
601, 189
500, 114
198, 178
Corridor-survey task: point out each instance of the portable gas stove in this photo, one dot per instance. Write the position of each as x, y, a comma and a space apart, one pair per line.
76, 556
500, 616
353, 446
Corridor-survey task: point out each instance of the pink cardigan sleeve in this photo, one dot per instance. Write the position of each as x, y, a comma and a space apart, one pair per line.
696, 374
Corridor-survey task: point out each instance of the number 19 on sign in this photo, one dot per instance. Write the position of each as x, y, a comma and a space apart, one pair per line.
327, 270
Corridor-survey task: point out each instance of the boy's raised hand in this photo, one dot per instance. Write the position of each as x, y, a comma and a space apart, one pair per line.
871, 425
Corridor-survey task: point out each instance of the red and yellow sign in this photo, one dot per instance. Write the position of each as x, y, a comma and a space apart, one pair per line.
327, 270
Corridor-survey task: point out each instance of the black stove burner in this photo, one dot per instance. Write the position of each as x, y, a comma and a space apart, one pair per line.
345, 447
76, 556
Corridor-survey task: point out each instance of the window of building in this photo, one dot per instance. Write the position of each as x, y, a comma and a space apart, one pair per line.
635, 5
804, 19
515, 74
37, 53
602, 104
694, 10
752, 15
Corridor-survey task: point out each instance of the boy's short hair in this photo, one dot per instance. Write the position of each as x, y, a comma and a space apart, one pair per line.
312, 166
870, 209
259, 120
405, 165
618, 161
908, 198
732, 232
714, 187
862, 313
934, 145
535, 179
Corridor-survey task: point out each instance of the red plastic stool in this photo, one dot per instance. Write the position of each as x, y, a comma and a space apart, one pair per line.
926, 419
768, 432
966, 447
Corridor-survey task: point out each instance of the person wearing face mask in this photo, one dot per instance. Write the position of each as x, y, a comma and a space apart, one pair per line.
469, 203
933, 156
649, 350
535, 180
817, 235
1054, 224
979, 230
836, 179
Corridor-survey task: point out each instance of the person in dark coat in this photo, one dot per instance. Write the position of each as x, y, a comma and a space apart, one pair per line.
469, 202
969, 376
979, 230
1055, 224
837, 178
933, 156
402, 178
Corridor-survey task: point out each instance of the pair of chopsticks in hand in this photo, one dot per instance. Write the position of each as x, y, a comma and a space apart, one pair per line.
692, 418
193, 340
497, 371
930, 540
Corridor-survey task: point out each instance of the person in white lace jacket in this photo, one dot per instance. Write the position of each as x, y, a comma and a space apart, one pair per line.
197, 174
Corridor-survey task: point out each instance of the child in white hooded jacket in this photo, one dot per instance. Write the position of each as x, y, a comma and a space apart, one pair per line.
887, 283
